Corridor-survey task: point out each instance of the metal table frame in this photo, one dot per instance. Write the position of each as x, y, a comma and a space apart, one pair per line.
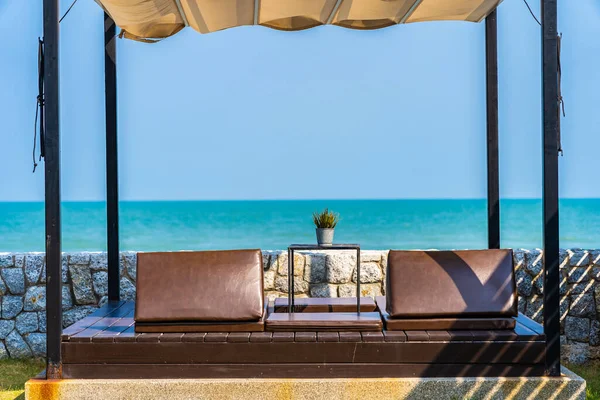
309, 247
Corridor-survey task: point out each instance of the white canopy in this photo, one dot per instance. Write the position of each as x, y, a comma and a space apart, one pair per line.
157, 19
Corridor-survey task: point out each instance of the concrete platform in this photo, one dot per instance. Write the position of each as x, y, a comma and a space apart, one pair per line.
569, 386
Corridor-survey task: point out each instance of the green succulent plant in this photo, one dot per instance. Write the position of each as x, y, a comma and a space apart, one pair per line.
325, 219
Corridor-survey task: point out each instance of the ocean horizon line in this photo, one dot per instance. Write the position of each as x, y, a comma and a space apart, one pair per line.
300, 200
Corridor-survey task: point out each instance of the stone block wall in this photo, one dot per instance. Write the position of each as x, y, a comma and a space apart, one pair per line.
23, 296
317, 274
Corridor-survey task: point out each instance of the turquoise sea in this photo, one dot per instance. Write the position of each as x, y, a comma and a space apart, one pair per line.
375, 224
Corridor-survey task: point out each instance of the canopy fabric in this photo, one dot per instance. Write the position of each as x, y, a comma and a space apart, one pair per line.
158, 19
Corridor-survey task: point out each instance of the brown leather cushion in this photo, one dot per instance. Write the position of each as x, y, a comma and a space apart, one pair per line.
181, 327
323, 322
168, 327
442, 324
319, 304
449, 324
207, 286
451, 284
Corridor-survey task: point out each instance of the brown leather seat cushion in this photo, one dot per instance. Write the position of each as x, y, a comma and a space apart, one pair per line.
451, 284
183, 327
323, 322
442, 324
320, 304
207, 286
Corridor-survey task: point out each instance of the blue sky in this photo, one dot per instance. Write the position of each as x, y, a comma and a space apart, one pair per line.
252, 113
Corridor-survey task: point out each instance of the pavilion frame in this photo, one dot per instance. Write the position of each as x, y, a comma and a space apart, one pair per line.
550, 118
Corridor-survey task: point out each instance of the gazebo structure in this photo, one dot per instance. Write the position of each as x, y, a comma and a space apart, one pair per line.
149, 20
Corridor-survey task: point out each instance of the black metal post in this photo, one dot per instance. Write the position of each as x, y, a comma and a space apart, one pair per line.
52, 190
550, 189
358, 280
493, 176
291, 305
112, 166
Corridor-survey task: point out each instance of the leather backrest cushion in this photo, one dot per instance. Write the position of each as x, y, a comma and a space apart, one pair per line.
442, 284
199, 286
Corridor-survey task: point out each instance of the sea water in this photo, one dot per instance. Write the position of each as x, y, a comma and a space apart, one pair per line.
374, 224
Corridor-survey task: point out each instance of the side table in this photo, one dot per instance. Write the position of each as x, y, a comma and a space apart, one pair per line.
305, 247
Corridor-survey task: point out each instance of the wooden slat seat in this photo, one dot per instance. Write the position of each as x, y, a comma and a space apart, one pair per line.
90, 320
110, 348
319, 304
348, 321
104, 327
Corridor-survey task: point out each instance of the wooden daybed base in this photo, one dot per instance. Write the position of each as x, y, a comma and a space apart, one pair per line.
105, 345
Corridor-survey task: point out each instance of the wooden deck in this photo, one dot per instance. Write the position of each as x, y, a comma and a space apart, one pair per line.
105, 345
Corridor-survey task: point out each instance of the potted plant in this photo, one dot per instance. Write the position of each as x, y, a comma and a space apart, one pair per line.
325, 221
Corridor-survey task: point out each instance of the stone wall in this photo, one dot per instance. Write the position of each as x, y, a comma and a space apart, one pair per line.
318, 274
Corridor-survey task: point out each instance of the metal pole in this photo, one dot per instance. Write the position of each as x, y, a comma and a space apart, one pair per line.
291, 307
358, 280
112, 169
52, 190
493, 178
550, 188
